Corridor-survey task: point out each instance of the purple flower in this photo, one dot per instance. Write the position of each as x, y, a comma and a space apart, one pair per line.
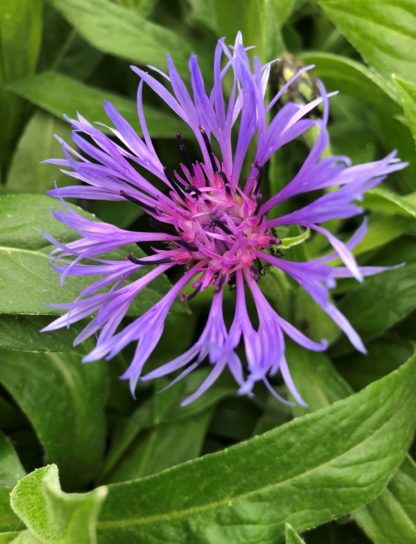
211, 221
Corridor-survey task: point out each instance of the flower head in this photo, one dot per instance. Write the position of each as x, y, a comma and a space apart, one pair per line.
209, 220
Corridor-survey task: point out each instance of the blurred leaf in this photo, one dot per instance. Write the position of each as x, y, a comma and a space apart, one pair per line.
229, 496
407, 92
381, 230
162, 413
384, 200
21, 28
52, 515
22, 332
20, 32
64, 401
123, 33
394, 134
162, 447
292, 536
11, 469
392, 516
353, 78
383, 357
379, 303
27, 174
383, 31
59, 95
201, 11
316, 379
258, 20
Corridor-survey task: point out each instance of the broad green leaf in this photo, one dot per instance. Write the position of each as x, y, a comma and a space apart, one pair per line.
24, 262
383, 31
292, 536
11, 469
392, 516
64, 401
407, 92
121, 32
386, 201
52, 515
354, 79
59, 94
21, 332
229, 496
379, 303
27, 173
20, 35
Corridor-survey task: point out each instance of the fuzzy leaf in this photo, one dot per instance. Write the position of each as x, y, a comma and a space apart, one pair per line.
52, 515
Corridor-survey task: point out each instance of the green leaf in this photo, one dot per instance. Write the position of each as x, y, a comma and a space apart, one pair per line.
383, 357
292, 536
249, 17
20, 35
21, 332
383, 31
11, 469
52, 515
258, 20
386, 201
64, 401
392, 516
27, 173
354, 79
229, 496
161, 419
24, 262
382, 229
316, 379
407, 92
20, 30
121, 32
159, 448
379, 303
291, 241
59, 95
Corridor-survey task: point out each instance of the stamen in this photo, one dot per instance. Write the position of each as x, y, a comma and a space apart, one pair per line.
209, 149
184, 151
143, 262
136, 201
259, 179
186, 298
175, 185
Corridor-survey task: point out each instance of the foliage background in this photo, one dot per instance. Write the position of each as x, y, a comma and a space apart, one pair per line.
344, 473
